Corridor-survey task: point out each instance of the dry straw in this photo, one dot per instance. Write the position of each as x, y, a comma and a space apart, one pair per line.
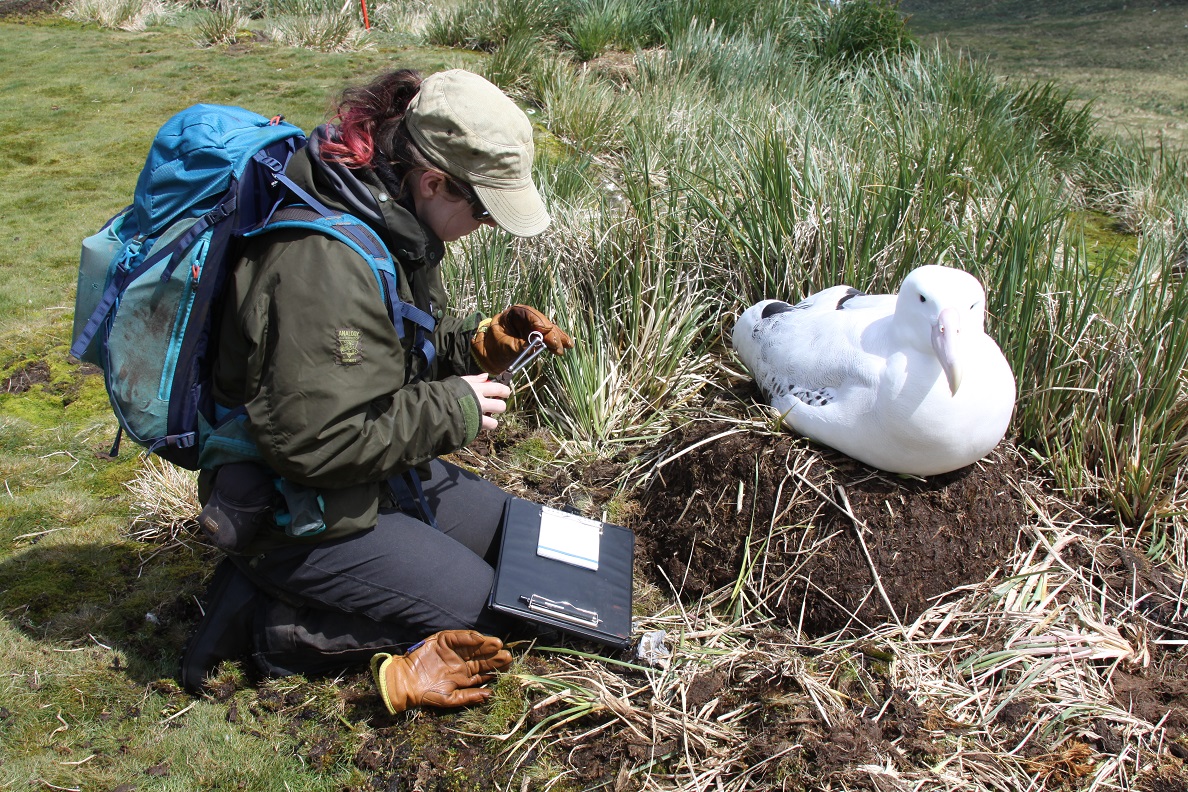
1012, 679
164, 502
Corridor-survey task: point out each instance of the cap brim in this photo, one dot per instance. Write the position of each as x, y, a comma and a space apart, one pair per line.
518, 211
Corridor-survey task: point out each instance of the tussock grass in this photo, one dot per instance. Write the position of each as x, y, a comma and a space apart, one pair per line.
856, 31
324, 31
164, 500
221, 24
1107, 53
120, 14
745, 188
804, 181
513, 65
582, 109
403, 19
485, 26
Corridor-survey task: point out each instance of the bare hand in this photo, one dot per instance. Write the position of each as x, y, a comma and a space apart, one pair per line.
492, 397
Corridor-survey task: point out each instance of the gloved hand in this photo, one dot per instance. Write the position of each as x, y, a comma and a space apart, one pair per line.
500, 339
444, 670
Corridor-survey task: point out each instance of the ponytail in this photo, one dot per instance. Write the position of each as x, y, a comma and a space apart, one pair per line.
370, 122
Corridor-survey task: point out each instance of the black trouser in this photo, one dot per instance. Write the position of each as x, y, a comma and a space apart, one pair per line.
339, 601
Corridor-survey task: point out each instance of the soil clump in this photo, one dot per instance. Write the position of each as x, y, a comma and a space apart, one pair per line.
24, 378
765, 506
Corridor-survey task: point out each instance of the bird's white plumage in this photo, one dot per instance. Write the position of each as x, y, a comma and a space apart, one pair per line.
908, 383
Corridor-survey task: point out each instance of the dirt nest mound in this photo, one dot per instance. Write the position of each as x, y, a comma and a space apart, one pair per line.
734, 492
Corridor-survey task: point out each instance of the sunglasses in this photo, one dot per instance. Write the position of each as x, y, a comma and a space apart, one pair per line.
478, 211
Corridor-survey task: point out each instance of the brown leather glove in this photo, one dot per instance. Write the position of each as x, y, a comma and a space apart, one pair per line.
500, 339
444, 670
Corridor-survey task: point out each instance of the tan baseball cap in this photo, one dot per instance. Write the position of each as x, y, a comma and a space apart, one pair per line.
473, 131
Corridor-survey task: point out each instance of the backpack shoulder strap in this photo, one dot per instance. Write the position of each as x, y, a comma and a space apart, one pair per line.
360, 237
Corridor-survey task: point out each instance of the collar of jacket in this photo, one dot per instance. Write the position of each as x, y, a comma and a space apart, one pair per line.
361, 193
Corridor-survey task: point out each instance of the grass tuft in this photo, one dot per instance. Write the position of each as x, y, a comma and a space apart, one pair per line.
327, 31
487, 25
119, 14
861, 29
164, 502
220, 25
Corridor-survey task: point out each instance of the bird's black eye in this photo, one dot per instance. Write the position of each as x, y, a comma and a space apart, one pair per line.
922, 298
974, 305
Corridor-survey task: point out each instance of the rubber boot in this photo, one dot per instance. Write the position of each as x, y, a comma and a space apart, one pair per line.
225, 632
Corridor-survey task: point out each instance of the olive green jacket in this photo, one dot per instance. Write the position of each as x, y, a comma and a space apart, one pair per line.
306, 344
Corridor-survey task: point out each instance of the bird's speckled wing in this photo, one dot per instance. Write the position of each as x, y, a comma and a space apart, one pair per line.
812, 354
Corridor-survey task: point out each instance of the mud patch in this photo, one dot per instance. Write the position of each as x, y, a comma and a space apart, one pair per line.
1158, 694
425, 753
26, 8
1167, 778
24, 378
787, 518
1156, 591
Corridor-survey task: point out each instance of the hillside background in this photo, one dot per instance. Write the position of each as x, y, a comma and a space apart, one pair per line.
1130, 59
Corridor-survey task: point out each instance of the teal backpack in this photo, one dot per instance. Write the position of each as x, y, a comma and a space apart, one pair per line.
148, 281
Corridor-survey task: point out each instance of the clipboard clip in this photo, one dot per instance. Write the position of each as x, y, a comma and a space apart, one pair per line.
561, 609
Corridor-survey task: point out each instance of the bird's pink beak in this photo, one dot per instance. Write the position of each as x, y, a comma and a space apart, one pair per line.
945, 342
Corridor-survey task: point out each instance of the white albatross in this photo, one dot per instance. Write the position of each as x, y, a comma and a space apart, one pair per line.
907, 383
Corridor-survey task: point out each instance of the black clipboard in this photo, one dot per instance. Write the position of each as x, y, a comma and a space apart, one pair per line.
590, 603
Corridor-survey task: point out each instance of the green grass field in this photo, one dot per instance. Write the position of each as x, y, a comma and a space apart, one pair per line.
1126, 58
93, 625
692, 167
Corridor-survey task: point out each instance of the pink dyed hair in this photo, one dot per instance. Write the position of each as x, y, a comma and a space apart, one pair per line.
370, 118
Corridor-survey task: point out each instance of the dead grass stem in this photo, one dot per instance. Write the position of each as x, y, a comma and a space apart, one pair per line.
1011, 679
164, 501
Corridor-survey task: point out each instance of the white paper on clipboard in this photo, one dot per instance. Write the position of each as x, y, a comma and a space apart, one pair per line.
570, 538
